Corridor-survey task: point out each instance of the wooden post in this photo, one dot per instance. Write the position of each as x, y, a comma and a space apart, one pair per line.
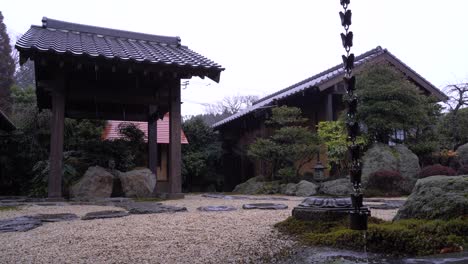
152, 142
175, 158
56, 143
329, 107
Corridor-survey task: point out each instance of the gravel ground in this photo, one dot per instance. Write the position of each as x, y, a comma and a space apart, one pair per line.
242, 236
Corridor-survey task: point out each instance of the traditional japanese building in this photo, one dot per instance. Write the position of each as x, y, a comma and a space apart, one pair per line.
320, 98
93, 72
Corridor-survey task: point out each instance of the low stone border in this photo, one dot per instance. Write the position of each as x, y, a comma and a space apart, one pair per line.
265, 206
216, 208
238, 197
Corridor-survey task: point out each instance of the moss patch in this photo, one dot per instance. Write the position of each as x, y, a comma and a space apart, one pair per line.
9, 208
149, 199
404, 237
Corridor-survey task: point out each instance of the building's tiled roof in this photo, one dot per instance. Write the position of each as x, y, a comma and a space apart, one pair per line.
65, 37
5, 123
319, 79
112, 130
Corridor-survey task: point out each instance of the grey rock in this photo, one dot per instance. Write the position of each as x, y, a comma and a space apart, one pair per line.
152, 208
19, 224
265, 206
138, 182
251, 186
216, 208
462, 153
104, 215
305, 188
96, 182
290, 189
378, 157
397, 158
408, 162
437, 197
326, 202
56, 217
216, 196
256, 185
338, 187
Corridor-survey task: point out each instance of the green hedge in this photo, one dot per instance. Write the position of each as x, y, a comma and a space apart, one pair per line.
404, 237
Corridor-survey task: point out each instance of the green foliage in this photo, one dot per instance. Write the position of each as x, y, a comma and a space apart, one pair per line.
41, 174
404, 237
289, 148
24, 153
452, 128
7, 67
390, 102
334, 135
286, 116
21, 149
201, 158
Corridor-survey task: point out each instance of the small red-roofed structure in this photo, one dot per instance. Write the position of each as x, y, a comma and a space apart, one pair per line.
111, 132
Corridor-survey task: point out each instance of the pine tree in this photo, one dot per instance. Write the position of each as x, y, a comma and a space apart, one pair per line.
7, 68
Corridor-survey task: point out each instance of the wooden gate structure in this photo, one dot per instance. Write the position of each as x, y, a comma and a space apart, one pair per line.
100, 73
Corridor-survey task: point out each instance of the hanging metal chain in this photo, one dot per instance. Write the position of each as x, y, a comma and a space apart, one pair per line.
352, 124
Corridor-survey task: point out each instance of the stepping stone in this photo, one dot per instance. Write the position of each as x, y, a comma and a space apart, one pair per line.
55, 217
19, 224
215, 208
229, 197
265, 206
269, 198
153, 208
104, 214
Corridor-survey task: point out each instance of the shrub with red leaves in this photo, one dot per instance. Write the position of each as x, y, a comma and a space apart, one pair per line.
436, 169
386, 181
463, 170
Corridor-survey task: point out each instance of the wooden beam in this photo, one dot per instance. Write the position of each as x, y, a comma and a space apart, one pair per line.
152, 142
175, 158
56, 143
329, 107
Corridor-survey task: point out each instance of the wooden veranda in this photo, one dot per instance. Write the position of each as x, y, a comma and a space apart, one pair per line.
100, 73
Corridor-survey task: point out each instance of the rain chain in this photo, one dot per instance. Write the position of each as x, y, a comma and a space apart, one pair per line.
359, 214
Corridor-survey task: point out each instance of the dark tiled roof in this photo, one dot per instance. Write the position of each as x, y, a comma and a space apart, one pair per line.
319, 79
64, 37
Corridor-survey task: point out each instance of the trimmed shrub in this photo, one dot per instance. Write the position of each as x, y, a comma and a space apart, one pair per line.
436, 169
463, 170
404, 237
385, 183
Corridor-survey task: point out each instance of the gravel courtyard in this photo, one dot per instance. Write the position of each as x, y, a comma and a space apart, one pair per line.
241, 236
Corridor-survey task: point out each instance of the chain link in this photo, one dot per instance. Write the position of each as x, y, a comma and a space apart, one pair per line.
352, 124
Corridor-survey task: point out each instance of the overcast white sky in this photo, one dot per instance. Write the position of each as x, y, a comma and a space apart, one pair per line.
268, 45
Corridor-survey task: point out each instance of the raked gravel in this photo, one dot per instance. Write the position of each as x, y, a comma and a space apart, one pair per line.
241, 236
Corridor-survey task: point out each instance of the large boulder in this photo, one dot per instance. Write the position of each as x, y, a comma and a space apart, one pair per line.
378, 157
95, 183
305, 188
462, 153
256, 185
396, 158
139, 182
408, 162
437, 197
338, 187
289, 189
